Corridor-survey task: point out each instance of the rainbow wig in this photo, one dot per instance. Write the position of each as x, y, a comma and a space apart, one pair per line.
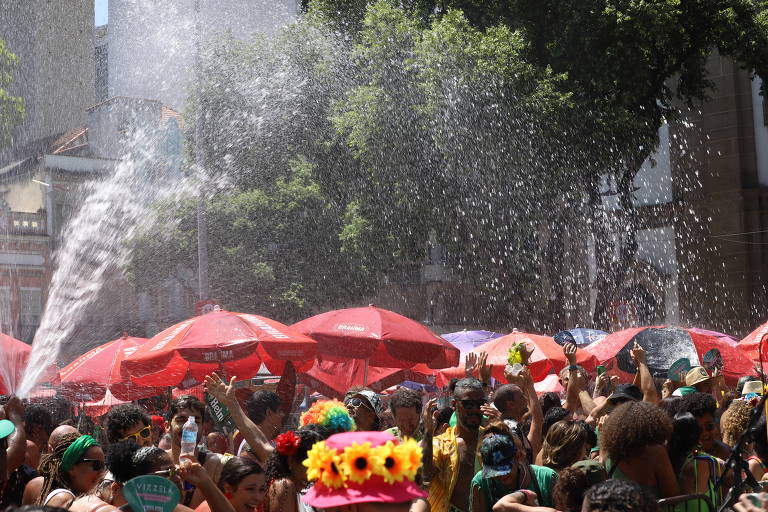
330, 414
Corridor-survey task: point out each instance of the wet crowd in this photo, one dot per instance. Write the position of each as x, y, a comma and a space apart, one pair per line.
477, 446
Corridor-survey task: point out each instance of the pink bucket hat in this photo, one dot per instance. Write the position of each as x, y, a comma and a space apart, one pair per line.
363, 467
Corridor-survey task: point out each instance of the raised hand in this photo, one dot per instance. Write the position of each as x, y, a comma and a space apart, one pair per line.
638, 354
484, 371
470, 364
569, 349
220, 390
194, 473
492, 413
427, 418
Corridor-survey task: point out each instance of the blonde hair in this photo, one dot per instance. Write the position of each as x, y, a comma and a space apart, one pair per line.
734, 420
563, 445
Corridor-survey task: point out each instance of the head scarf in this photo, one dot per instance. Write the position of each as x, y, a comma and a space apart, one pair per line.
75, 451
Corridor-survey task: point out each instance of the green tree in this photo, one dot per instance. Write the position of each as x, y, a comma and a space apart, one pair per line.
628, 65
11, 107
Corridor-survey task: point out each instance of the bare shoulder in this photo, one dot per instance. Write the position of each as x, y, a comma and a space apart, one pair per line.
283, 486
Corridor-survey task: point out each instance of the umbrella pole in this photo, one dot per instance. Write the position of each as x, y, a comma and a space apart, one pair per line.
365, 374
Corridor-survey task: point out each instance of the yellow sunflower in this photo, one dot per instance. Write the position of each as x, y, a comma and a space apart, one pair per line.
358, 462
394, 463
323, 465
410, 453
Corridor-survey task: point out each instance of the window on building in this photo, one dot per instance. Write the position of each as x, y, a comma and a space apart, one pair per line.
30, 311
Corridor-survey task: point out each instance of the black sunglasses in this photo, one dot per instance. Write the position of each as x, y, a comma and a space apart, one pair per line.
357, 402
96, 464
473, 404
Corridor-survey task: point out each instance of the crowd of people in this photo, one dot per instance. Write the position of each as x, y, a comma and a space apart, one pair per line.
477, 446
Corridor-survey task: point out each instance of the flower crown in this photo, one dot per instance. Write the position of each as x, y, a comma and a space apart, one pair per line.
330, 414
358, 463
287, 443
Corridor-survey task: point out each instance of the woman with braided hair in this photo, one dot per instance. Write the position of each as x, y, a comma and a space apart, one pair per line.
286, 475
74, 467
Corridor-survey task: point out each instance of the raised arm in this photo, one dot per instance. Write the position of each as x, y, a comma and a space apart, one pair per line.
428, 423
647, 385
572, 401
17, 441
195, 474
525, 382
253, 435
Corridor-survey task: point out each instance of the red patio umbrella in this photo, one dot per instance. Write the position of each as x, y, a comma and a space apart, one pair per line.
664, 345
547, 357
751, 344
231, 344
379, 337
334, 378
87, 378
15, 355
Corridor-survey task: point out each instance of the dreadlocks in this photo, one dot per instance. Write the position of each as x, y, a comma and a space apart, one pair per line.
50, 468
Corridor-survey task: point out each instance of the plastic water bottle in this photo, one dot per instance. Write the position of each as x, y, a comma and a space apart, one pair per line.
188, 439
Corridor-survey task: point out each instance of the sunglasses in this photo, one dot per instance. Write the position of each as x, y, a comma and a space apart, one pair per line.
96, 464
167, 473
145, 433
473, 404
357, 402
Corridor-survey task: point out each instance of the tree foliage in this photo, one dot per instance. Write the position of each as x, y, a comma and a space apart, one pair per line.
11, 107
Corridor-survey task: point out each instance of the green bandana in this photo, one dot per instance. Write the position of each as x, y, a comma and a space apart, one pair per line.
75, 452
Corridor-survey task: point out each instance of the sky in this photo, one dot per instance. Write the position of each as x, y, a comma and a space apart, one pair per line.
101, 12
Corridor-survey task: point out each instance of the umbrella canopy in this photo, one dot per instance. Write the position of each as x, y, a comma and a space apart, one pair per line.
334, 378
14, 354
584, 337
102, 406
381, 337
725, 337
550, 384
750, 345
664, 346
467, 340
231, 344
90, 376
547, 357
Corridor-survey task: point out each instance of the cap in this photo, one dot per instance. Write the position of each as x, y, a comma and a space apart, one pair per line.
684, 390
6, 428
373, 399
362, 467
626, 392
498, 455
593, 469
696, 375
755, 387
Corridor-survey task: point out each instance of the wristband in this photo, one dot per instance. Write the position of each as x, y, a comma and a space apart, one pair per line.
572, 368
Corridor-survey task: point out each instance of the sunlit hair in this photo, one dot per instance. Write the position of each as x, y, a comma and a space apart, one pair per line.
734, 421
563, 445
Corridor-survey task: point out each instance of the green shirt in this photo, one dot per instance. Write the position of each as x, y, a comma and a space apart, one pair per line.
495, 490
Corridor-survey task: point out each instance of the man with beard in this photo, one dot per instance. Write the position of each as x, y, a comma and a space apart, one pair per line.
449, 459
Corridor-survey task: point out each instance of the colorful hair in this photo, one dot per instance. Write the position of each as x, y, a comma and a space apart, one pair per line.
330, 414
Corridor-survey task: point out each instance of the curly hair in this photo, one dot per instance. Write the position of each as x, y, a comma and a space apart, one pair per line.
698, 404
277, 465
568, 491
563, 445
404, 398
619, 496
633, 426
734, 420
122, 417
37, 415
50, 468
120, 460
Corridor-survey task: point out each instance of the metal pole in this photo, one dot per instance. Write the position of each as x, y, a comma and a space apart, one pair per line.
202, 225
